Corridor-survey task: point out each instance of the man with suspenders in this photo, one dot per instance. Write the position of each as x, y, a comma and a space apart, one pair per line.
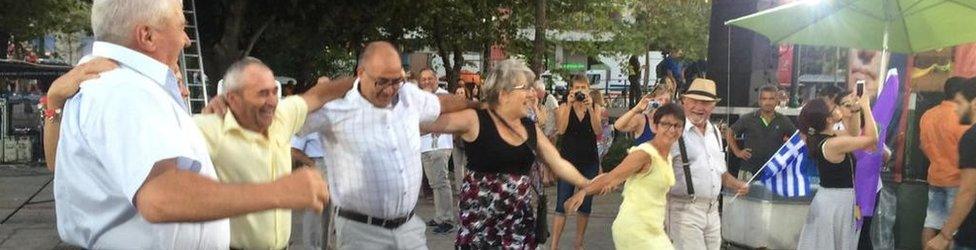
693, 219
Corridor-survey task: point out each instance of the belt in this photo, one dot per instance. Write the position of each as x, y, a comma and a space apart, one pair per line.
380, 222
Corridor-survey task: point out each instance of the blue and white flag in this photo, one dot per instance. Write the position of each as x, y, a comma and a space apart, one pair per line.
787, 173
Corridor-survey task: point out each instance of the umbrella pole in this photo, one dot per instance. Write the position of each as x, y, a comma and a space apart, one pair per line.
883, 72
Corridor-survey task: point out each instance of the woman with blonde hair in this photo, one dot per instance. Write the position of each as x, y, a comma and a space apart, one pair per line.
502, 144
637, 120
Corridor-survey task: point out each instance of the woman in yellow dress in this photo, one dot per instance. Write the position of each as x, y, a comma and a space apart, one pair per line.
648, 174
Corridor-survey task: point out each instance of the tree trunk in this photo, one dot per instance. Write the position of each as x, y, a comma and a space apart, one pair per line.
449, 72
228, 47
539, 45
458, 63
486, 60
4, 39
257, 35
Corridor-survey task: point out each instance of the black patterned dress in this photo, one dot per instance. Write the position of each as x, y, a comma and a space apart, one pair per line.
496, 196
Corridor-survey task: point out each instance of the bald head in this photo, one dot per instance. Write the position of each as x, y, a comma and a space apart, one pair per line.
379, 54
382, 73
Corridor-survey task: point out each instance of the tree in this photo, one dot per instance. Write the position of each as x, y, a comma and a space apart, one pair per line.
622, 27
299, 38
25, 20
456, 26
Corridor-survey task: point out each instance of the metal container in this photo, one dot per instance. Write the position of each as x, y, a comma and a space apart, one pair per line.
760, 220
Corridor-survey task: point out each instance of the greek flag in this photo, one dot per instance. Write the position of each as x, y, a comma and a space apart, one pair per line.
787, 172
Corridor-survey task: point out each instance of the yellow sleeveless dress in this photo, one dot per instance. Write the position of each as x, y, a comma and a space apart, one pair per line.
640, 221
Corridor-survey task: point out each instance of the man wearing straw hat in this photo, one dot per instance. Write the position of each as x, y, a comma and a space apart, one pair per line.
700, 172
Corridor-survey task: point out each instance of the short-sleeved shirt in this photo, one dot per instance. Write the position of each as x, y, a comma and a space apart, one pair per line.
707, 159
374, 152
939, 133
436, 141
763, 137
309, 144
245, 156
674, 66
113, 132
966, 236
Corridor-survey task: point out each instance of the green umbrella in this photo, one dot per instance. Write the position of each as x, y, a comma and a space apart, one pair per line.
904, 26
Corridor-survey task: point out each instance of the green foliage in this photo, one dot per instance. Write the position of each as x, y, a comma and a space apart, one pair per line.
636, 26
306, 38
28, 19
662, 24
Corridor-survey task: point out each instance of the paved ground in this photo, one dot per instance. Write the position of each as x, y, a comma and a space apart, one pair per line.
33, 225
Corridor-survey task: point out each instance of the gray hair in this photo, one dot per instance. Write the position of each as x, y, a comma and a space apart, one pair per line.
114, 20
232, 79
539, 85
502, 78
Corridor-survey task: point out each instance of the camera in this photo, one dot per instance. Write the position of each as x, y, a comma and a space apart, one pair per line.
579, 96
651, 106
654, 104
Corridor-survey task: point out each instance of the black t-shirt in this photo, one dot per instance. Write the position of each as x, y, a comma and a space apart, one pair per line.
966, 236
763, 139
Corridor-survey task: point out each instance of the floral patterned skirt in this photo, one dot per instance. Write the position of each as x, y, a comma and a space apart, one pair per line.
496, 212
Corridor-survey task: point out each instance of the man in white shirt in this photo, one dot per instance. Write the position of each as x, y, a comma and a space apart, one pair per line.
435, 151
373, 146
133, 170
693, 220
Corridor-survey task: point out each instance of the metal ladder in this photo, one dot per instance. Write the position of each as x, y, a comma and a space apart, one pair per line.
191, 62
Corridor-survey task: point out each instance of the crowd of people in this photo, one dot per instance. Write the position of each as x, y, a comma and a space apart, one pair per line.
133, 169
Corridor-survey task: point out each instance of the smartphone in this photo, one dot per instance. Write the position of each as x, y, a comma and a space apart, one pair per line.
860, 87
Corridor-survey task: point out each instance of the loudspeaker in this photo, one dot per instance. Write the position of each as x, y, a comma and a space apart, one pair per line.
738, 57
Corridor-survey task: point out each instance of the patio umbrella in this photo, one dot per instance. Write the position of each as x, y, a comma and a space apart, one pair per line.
904, 26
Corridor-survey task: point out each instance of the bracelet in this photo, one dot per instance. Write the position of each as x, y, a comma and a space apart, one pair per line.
52, 114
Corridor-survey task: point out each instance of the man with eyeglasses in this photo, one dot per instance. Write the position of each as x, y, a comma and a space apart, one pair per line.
372, 138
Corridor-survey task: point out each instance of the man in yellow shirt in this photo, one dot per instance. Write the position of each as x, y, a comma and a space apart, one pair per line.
252, 142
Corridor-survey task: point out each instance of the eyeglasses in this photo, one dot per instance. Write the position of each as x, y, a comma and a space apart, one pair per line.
386, 82
670, 126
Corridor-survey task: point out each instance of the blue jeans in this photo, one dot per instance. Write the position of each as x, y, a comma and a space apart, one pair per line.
565, 190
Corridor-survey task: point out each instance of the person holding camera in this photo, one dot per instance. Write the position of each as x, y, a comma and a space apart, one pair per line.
578, 122
637, 120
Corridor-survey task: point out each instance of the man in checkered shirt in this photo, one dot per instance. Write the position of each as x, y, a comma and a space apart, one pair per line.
374, 164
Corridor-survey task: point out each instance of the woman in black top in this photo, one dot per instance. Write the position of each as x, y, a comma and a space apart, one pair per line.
831, 221
501, 144
578, 122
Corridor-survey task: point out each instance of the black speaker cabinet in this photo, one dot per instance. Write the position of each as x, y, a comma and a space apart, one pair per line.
739, 57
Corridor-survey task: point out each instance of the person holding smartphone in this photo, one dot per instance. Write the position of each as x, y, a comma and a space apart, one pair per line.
831, 221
